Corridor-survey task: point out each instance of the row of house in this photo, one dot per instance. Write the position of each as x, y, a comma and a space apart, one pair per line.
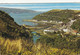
48, 21
52, 30
66, 31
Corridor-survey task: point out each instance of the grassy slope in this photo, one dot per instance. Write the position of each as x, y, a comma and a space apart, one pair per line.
9, 28
57, 15
13, 37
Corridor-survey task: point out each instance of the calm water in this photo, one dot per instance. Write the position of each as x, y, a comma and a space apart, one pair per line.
20, 17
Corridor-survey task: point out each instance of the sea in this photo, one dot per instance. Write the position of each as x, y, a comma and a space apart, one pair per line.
39, 7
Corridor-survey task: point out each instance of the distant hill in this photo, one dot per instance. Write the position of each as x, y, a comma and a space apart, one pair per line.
9, 28
57, 15
14, 10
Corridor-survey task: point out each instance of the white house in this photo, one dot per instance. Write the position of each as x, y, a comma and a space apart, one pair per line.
50, 21
78, 14
60, 22
66, 30
35, 20
50, 30
73, 21
44, 21
47, 31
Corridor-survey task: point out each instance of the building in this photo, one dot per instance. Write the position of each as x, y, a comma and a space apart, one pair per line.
66, 30
52, 30
60, 22
73, 21
78, 14
51, 21
74, 32
44, 21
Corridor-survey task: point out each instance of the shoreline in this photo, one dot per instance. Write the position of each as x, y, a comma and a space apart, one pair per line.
35, 21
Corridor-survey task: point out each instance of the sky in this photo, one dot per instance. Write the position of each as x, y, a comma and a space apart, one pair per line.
43, 6
37, 1
38, 5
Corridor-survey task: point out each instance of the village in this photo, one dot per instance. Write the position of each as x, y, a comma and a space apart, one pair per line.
46, 27
58, 27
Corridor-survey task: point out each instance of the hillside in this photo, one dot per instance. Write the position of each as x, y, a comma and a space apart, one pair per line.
9, 28
57, 15
76, 25
14, 10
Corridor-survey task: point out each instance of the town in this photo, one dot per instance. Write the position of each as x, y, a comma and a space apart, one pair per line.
46, 27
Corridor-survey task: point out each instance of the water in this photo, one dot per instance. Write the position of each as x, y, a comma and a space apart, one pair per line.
20, 17
35, 37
